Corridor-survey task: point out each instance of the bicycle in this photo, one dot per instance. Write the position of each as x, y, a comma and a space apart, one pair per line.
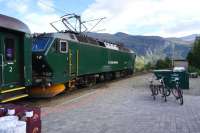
164, 91
153, 89
169, 82
177, 91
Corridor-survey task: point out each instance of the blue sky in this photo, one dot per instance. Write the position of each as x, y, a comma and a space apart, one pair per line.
8, 7
139, 17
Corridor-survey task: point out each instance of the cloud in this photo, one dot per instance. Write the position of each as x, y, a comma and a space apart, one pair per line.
144, 17
46, 6
21, 6
163, 17
40, 23
39, 19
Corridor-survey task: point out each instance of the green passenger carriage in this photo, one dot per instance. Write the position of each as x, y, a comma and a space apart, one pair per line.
15, 59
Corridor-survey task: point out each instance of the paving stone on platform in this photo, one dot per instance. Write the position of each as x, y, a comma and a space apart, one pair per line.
125, 106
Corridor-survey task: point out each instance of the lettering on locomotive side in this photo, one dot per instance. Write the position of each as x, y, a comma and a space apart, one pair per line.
113, 62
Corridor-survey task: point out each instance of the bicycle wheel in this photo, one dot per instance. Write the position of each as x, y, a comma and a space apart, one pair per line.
160, 89
175, 93
180, 97
164, 93
154, 95
151, 88
168, 92
154, 91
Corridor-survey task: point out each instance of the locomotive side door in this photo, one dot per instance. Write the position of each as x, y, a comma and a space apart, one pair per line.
11, 59
72, 62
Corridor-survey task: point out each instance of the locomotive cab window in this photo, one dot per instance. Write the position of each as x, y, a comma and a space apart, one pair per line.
41, 43
9, 49
63, 46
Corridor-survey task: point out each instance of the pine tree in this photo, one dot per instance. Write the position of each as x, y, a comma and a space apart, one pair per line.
194, 55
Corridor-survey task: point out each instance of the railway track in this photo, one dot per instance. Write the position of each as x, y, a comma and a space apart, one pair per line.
67, 96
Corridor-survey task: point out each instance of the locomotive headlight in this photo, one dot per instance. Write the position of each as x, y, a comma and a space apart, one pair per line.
49, 84
39, 57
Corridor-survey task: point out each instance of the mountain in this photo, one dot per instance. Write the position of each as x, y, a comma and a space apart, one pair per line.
190, 38
179, 41
142, 44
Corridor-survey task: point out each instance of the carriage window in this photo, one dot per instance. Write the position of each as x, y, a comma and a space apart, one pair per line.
63, 47
9, 49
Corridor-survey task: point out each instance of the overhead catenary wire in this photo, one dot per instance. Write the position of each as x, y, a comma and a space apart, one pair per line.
99, 20
53, 7
66, 14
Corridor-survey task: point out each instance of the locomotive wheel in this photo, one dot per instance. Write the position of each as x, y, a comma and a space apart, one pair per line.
47, 92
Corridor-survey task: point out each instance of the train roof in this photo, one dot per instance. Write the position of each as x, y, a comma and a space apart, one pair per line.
13, 24
85, 39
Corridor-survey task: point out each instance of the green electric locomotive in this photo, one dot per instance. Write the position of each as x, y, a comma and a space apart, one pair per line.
75, 59
49, 63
